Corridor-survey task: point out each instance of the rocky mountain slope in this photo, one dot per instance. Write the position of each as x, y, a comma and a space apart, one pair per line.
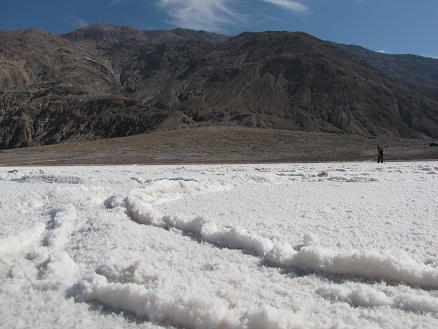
106, 81
421, 72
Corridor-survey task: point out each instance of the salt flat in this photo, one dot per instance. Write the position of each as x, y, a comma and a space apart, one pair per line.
327, 245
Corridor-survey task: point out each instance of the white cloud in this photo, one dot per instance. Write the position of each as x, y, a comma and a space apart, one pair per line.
210, 15
219, 15
289, 5
80, 22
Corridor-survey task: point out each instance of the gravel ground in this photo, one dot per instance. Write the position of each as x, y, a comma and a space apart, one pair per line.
221, 145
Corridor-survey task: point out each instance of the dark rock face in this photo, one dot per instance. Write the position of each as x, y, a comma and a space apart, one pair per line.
105, 81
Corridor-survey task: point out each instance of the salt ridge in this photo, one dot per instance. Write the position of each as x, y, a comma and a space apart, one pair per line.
114, 240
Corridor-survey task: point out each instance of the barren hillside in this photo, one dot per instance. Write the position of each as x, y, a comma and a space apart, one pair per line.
106, 81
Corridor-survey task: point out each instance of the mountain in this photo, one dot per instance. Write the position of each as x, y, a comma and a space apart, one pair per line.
106, 81
421, 72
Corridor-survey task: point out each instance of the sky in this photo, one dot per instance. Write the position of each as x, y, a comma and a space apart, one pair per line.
390, 26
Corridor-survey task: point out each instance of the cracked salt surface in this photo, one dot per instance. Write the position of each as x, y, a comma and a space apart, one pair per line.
336, 245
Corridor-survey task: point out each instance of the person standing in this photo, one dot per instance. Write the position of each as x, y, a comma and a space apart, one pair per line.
380, 152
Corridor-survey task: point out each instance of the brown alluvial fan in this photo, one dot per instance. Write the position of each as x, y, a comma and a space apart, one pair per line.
107, 81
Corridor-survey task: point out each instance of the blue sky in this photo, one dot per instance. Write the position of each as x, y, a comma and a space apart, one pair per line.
392, 26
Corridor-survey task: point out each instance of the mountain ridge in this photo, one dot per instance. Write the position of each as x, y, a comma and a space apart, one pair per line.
107, 81
419, 71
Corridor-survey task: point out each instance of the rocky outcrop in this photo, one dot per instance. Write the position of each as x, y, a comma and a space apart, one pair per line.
106, 81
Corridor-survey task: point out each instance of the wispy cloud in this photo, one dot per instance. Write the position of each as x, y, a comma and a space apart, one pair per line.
115, 2
79, 22
219, 15
289, 5
209, 15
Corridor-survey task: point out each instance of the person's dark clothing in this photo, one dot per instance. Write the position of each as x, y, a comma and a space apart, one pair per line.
380, 152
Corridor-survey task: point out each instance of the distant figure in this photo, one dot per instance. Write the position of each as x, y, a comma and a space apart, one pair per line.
380, 152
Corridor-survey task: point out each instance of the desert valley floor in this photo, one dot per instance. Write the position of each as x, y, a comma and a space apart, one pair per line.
222, 145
